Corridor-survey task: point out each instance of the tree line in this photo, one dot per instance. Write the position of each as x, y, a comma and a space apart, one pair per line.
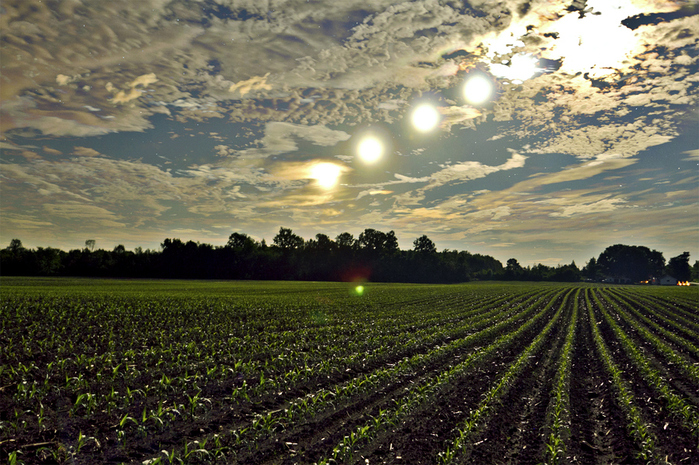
373, 256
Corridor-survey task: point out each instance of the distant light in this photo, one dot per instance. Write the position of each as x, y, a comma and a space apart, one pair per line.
478, 89
370, 150
359, 290
425, 117
326, 174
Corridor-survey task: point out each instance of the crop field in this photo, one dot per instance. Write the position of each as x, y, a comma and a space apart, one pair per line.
112, 371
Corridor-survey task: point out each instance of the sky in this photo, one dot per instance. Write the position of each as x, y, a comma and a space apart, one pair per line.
540, 130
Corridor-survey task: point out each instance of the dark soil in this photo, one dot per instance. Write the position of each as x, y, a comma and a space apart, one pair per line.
598, 431
514, 431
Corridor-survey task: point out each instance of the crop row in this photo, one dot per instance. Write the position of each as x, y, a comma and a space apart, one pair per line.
319, 373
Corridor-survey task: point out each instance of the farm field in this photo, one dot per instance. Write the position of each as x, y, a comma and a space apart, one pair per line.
112, 371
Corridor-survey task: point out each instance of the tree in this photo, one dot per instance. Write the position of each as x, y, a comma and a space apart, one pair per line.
15, 246
513, 270
424, 244
90, 244
322, 243
637, 263
377, 241
569, 273
48, 260
345, 240
287, 240
241, 241
591, 270
678, 267
513, 265
391, 244
695, 271
171, 245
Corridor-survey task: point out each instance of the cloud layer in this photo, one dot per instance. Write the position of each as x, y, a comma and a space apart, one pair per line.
584, 141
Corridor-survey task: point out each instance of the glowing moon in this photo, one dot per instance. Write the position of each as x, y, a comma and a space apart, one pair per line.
425, 117
478, 89
326, 174
370, 150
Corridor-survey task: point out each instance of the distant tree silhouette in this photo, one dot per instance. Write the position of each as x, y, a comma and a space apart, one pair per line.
678, 267
636, 263
591, 271
513, 270
322, 243
345, 240
287, 240
15, 246
241, 241
374, 256
424, 244
377, 241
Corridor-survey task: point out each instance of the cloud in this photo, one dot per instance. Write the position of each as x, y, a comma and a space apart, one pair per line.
197, 55
606, 205
373, 192
63, 80
469, 170
29, 155
85, 152
51, 151
300, 64
38, 114
253, 84
297, 171
23, 222
579, 172
10, 146
454, 173
458, 115
307, 74
281, 138
224, 151
133, 93
692, 155
97, 216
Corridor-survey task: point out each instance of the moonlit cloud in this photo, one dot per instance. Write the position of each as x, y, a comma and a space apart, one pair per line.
520, 68
140, 120
134, 92
470, 170
255, 83
692, 155
606, 205
85, 152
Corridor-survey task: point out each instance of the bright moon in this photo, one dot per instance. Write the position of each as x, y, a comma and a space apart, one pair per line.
370, 150
327, 174
477, 89
425, 117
